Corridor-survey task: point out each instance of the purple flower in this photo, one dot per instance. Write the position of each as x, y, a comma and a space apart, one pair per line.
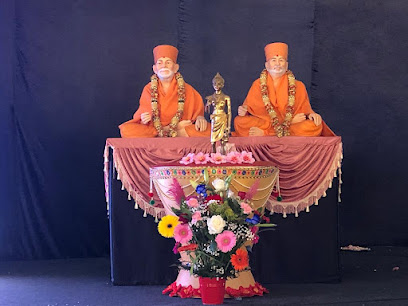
200, 189
254, 220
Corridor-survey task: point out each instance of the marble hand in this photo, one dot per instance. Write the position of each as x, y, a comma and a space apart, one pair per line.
317, 119
183, 123
145, 118
254, 131
181, 131
166, 128
298, 118
242, 110
201, 124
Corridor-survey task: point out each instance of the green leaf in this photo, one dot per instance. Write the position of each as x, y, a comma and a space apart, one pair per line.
228, 180
266, 225
206, 176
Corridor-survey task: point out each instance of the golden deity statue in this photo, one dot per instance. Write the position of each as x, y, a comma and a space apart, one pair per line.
220, 121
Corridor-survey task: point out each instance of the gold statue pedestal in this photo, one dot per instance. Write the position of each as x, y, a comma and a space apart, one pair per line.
245, 175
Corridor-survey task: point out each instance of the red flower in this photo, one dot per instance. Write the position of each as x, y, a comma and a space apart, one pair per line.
216, 197
183, 219
240, 260
266, 219
241, 194
188, 247
254, 229
256, 239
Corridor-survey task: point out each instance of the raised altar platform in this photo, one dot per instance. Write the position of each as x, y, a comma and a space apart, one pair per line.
301, 249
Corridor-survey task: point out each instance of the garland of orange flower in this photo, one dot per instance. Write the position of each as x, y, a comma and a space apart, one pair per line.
181, 92
280, 129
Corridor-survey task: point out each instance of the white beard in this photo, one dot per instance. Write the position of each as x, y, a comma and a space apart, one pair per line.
165, 74
277, 71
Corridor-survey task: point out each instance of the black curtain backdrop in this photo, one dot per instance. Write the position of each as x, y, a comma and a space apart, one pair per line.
8, 215
215, 36
360, 87
73, 70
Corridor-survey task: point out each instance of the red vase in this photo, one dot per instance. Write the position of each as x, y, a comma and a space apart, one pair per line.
212, 290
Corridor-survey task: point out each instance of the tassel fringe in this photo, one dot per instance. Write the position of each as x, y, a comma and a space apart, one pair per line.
313, 199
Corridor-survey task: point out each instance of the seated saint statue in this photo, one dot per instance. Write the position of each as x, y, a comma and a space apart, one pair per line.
220, 120
277, 104
168, 106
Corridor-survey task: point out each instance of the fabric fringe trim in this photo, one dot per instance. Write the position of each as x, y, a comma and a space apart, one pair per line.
272, 205
106, 175
295, 207
140, 202
189, 292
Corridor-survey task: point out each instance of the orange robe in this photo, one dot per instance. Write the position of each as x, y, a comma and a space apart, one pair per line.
167, 105
259, 117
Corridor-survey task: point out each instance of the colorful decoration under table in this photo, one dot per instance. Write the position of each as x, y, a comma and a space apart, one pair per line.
244, 176
213, 212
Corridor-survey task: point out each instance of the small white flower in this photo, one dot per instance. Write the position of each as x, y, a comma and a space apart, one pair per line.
232, 226
219, 185
212, 202
215, 224
208, 250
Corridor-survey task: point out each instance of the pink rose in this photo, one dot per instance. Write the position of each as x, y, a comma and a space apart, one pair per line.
196, 217
246, 208
192, 202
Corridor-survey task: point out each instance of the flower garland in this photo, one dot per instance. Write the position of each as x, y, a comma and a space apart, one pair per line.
280, 129
181, 92
232, 157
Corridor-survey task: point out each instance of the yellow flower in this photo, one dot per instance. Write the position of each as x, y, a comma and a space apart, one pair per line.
166, 226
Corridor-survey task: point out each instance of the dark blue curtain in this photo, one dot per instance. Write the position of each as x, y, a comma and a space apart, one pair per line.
360, 77
8, 213
215, 36
73, 70
78, 70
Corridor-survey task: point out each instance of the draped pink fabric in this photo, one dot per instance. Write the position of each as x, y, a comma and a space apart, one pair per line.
307, 165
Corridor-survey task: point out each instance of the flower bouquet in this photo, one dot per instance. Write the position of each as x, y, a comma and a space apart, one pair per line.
214, 227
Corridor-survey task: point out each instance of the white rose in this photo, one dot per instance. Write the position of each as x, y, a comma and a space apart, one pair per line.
219, 185
215, 224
